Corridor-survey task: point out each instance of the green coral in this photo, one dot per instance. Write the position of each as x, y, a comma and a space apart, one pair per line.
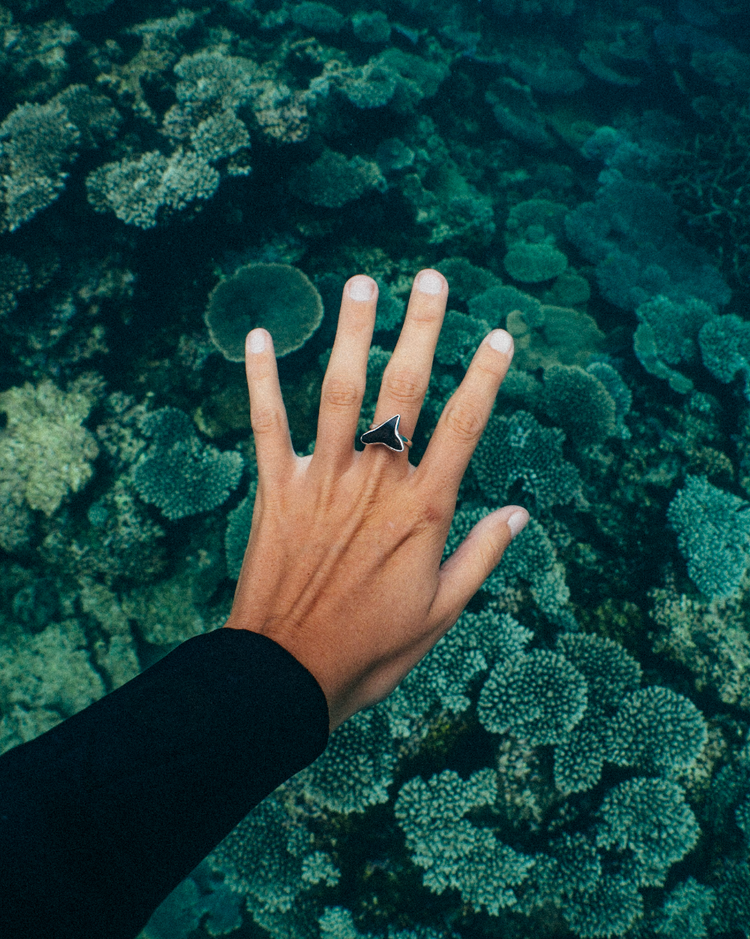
667, 336
177, 472
36, 142
371, 27
531, 557
685, 911
658, 731
444, 676
359, 751
533, 263
517, 453
710, 640
164, 613
578, 402
278, 297
539, 697
269, 859
547, 335
453, 852
317, 17
136, 190
239, 522
713, 534
459, 339
650, 821
333, 180
725, 348
605, 911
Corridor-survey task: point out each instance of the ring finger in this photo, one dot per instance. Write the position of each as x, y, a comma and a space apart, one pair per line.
407, 375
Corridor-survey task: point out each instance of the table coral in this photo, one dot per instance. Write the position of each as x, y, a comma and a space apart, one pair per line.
36, 142
278, 297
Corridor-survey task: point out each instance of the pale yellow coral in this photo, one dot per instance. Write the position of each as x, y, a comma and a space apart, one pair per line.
43, 679
45, 452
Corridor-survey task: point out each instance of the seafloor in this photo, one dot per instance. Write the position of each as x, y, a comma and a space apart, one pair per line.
573, 759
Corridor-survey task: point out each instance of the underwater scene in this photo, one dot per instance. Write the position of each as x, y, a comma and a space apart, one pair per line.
573, 758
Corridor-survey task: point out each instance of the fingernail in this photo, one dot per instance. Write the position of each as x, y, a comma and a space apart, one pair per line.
500, 341
429, 282
256, 341
361, 288
517, 522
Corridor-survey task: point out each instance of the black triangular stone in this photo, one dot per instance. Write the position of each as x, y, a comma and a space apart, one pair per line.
386, 433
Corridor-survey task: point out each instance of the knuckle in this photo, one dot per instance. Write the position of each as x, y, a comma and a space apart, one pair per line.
264, 420
341, 393
432, 514
490, 367
428, 313
465, 420
404, 386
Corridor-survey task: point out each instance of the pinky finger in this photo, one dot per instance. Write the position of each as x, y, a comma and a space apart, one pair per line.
273, 444
474, 560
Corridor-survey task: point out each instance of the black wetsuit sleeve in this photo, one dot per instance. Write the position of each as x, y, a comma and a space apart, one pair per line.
101, 817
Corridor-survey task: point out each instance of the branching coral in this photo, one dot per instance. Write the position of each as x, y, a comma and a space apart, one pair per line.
725, 347
539, 696
709, 638
135, 190
361, 752
578, 402
165, 613
453, 852
650, 821
518, 451
667, 335
657, 730
177, 472
630, 233
269, 860
713, 534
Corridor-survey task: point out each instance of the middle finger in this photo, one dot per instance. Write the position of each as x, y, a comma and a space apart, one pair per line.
407, 375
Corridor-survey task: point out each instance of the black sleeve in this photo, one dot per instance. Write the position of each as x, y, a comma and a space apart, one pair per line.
101, 817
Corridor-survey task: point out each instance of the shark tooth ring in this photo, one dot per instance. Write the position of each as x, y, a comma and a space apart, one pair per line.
388, 434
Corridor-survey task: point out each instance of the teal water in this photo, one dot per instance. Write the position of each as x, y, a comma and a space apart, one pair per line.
572, 759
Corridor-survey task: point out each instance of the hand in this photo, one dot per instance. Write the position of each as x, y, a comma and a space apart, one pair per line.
343, 567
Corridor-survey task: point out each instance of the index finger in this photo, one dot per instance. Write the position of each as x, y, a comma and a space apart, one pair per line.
465, 416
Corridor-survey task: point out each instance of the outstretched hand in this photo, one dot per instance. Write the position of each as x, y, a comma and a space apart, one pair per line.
343, 566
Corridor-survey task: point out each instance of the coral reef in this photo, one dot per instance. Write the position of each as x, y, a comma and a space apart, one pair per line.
571, 759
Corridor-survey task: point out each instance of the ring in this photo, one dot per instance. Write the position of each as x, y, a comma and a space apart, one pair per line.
388, 434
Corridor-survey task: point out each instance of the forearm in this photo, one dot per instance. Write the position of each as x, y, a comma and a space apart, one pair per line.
103, 816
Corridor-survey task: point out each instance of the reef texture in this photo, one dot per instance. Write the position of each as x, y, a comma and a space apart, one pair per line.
573, 758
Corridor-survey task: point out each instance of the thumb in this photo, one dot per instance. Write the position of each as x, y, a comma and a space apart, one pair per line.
476, 557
